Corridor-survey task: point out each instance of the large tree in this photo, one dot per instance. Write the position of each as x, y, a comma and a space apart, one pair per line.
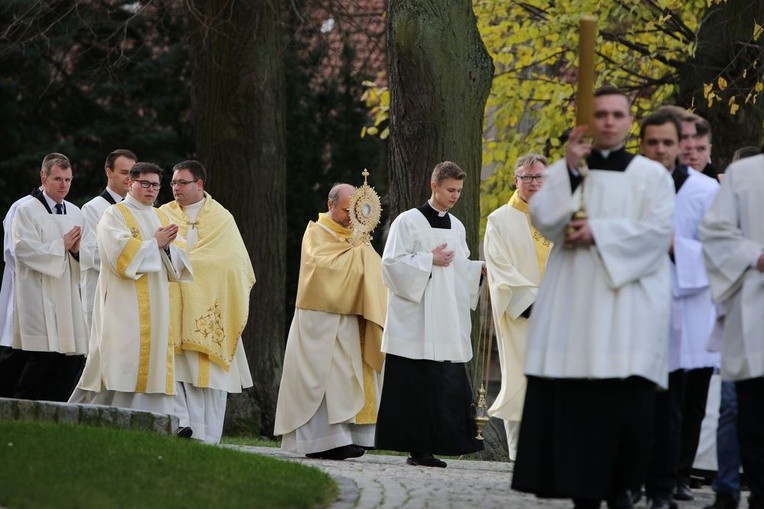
439, 78
237, 92
660, 51
723, 78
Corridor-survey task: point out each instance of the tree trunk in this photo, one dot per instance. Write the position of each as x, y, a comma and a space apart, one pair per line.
440, 77
238, 104
726, 49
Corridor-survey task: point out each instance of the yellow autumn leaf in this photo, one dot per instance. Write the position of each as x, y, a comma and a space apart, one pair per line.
722, 83
707, 88
757, 29
734, 108
759, 86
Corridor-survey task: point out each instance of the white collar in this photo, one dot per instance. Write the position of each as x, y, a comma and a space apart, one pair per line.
440, 213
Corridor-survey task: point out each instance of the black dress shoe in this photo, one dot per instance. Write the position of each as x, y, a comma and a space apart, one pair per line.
683, 492
338, 453
661, 503
425, 460
185, 432
723, 501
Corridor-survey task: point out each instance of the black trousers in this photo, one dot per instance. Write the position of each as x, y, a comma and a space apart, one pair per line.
693, 412
584, 439
49, 376
12, 362
426, 407
664, 453
750, 401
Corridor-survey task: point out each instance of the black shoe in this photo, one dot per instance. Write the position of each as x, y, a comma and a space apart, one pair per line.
621, 501
661, 503
425, 460
683, 492
723, 501
636, 495
185, 432
338, 453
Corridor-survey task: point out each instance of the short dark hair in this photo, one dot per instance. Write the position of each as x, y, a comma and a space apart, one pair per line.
141, 168
447, 170
661, 117
611, 90
744, 152
195, 167
61, 162
702, 127
120, 152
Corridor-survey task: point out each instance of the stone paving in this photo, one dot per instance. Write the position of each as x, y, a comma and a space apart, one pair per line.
383, 481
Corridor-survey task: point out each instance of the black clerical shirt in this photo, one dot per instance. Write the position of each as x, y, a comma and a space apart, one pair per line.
617, 160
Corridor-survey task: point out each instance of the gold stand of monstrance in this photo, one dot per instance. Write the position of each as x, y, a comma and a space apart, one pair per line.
365, 211
484, 350
587, 33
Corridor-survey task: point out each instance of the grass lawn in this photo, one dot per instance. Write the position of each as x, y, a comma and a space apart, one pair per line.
44, 465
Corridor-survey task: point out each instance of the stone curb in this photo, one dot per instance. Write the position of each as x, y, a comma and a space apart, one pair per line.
90, 415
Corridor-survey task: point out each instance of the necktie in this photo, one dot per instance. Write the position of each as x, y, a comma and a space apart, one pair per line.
59, 208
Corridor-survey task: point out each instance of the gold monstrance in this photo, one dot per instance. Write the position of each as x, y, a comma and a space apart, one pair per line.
587, 34
365, 211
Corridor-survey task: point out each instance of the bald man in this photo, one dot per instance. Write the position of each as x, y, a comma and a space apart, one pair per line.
327, 404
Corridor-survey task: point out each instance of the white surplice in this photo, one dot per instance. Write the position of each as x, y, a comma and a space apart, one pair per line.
513, 279
48, 307
7, 300
693, 312
90, 260
732, 234
602, 311
428, 306
130, 348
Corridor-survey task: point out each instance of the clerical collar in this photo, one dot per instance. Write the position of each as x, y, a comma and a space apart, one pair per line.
436, 218
440, 213
617, 159
606, 152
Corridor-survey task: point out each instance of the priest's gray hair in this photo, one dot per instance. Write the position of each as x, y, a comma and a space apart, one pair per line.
525, 163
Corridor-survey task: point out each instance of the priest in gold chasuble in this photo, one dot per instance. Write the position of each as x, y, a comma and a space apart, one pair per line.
329, 392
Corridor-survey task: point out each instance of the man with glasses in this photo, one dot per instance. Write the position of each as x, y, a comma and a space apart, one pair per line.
49, 326
211, 361
130, 363
515, 255
117, 168
598, 336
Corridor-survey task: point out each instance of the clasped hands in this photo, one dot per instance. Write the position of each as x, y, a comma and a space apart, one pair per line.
72, 240
443, 258
165, 235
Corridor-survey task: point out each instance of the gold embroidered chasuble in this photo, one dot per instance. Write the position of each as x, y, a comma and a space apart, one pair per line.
209, 316
338, 277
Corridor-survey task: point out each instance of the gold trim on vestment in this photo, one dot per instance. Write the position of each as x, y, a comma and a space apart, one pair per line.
541, 244
144, 306
133, 244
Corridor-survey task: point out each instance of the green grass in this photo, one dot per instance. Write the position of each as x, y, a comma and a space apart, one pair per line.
45, 465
